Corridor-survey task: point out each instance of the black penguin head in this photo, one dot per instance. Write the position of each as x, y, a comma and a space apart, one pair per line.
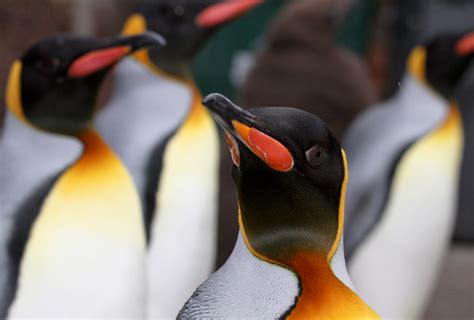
441, 62
290, 175
186, 25
55, 84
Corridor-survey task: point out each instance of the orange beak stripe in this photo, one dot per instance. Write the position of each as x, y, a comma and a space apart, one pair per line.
465, 46
270, 150
234, 149
95, 61
222, 12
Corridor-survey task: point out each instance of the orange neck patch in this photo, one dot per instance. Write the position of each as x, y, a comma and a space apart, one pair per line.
323, 295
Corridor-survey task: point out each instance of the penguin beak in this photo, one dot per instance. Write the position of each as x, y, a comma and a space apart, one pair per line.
465, 45
248, 129
224, 11
111, 51
226, 113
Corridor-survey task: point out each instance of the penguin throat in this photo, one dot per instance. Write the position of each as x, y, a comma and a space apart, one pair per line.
416, 64
95, 150
322, 294
176, 68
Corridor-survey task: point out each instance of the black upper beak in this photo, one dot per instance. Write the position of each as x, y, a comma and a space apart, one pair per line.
136, 42
247, 128
225, 111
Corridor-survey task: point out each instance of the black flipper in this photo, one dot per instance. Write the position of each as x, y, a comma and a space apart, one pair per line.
153, 176
23, 221
353, 239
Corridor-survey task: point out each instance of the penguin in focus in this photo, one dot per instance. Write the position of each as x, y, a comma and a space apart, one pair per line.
404, 158
288, 262
300, 53
77, 246
171, 145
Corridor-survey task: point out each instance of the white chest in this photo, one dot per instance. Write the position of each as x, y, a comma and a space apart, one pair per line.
395, 268
85, 254
183, 234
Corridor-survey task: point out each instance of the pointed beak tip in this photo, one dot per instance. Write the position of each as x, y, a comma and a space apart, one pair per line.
156, 38
147, 39
213, 99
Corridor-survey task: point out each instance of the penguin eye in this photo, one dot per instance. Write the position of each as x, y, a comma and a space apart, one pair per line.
316, 155
48, 65
178, 11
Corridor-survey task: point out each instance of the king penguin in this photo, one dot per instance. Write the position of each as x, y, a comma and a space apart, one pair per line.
404, 158
288, 262
77, 246
175, 160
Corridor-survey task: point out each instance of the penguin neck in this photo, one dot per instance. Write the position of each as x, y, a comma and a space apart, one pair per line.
95, 177
174, 71
325, 286
177, 69
324, 292
416, 69
452, 120
196, 111
97, 163
412, 88
95, 149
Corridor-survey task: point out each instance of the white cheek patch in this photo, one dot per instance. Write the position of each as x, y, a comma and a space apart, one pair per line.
234, 149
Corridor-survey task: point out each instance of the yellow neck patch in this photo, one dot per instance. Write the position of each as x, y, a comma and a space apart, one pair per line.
135, 24
13, 93
416, 64
342, 201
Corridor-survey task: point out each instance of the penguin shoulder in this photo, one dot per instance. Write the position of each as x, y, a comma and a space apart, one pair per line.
244, 287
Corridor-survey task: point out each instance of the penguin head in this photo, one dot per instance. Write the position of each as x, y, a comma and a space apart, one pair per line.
186, 25
442, 61
54, 85
290, 173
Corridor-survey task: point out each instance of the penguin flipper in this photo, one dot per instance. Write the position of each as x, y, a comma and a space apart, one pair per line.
14, 248
153, 175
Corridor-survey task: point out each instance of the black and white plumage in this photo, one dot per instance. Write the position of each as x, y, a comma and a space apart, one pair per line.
405, 158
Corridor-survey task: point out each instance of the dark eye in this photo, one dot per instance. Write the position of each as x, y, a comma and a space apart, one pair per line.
179, 11
316, 155
48, 65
